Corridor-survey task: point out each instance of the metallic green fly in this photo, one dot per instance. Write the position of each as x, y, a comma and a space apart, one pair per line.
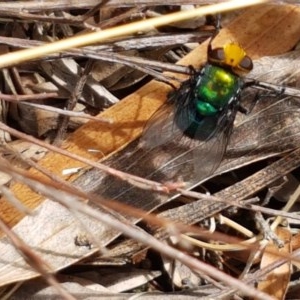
189, 134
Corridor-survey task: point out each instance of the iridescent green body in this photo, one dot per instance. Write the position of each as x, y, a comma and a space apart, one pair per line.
215, 91
215, 88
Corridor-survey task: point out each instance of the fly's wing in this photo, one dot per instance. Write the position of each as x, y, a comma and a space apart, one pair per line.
176, 157
160, 129
192, 159
208, 156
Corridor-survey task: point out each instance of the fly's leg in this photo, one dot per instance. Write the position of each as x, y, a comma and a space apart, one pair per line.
213, 20
190, 69
244, 110
267, 91
247, 111
218, 27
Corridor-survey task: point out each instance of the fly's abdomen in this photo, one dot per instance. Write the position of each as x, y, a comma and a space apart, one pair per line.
214, 90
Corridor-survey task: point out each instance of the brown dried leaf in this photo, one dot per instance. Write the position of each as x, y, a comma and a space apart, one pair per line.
295, 244
276, 282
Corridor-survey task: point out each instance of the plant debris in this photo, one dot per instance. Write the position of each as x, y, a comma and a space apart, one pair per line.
79, 204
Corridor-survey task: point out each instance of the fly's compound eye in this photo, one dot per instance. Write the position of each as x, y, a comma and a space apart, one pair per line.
246, 64
216, 55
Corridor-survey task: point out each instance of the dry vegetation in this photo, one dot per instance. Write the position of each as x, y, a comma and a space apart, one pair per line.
80, 215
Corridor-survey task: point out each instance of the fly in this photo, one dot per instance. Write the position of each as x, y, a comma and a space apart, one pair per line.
197, 120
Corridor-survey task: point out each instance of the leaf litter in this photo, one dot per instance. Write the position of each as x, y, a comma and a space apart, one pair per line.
262, 141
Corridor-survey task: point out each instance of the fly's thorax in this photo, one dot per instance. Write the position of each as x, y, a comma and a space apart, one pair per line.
215, 88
